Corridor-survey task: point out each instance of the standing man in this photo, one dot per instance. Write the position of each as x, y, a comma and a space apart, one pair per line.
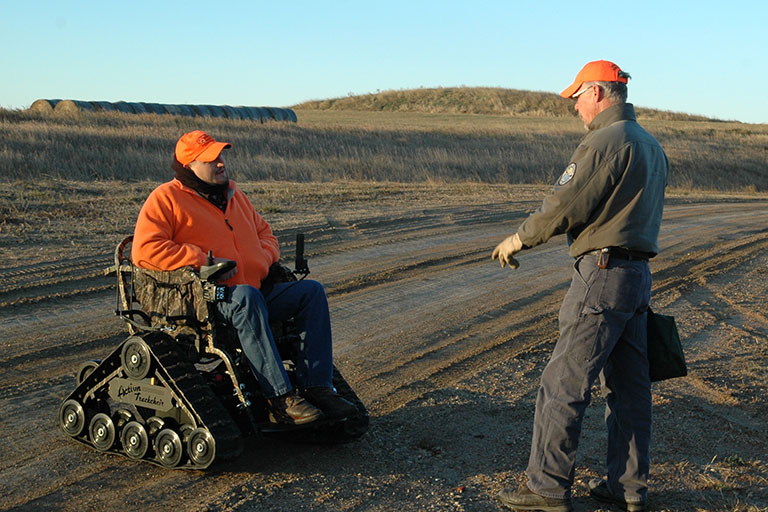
609, 202
202, 210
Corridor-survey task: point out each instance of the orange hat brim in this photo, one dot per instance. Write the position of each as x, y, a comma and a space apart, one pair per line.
212, 152
571, 89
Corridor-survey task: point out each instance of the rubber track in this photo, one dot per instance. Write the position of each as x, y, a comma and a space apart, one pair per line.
204, 402
185, 383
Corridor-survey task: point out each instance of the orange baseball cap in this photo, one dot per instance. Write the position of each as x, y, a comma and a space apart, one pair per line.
596, 71
198, 145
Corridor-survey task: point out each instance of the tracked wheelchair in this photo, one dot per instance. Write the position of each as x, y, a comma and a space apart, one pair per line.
178, 391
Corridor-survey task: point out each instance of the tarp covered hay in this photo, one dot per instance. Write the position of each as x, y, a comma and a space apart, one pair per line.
154, 108
231, 112
200, 110
261, 114
138, 108
290, 115
252, 113
275, 113
122, 106
216, 111
180, 110
102, 106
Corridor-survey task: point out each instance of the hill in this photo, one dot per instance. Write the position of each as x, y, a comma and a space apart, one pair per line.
472, 100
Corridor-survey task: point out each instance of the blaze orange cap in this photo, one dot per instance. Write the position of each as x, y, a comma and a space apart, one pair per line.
596, 71
198, 145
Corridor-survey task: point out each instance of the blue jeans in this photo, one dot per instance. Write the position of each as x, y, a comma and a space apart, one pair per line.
250, 312
602, 334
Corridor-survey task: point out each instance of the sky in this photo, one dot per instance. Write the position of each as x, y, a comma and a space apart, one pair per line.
704, 57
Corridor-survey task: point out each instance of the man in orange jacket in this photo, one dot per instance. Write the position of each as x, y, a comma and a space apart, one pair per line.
202, 210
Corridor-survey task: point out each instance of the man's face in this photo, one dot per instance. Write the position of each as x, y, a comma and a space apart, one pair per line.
213, 173
587, 104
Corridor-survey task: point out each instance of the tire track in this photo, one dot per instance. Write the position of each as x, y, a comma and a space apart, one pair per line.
410, 378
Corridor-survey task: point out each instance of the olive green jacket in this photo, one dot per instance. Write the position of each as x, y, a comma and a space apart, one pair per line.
611, 193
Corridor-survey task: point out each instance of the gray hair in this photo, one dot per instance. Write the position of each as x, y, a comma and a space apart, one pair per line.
615, 92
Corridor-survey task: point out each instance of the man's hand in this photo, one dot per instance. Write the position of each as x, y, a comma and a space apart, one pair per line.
506, 250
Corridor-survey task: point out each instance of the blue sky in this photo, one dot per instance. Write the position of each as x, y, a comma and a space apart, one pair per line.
701, 57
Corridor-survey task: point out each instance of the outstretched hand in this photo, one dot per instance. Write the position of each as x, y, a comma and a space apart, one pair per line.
506, 250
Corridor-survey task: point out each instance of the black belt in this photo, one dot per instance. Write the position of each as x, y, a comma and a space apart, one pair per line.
622, 254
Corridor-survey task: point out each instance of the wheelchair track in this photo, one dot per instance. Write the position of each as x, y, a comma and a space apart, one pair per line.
417, 307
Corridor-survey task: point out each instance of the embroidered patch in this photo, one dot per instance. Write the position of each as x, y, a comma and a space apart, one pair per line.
567, 174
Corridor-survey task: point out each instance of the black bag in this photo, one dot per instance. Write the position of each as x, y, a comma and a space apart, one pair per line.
665, 354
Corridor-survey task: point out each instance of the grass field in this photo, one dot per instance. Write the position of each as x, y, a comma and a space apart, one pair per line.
331, 145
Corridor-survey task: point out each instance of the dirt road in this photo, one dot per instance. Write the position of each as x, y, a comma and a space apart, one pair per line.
444, 347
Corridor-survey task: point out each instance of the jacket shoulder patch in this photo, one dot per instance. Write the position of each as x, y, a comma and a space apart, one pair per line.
567, 174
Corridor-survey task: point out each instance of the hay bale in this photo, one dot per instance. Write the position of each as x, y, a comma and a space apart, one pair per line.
43, 106
261, 114
73, 107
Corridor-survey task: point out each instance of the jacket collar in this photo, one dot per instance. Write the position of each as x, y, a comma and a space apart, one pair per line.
190, 190
621, 112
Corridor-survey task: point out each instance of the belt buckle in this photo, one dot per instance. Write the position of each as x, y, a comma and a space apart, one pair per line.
603, 257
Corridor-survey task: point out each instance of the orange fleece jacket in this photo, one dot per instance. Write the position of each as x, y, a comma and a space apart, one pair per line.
177, 227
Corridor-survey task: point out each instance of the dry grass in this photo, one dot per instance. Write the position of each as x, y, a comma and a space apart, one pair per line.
329, 146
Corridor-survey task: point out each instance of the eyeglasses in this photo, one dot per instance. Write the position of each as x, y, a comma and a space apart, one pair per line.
576, 95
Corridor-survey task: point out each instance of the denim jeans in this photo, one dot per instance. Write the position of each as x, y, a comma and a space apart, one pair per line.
250, 312
602, 334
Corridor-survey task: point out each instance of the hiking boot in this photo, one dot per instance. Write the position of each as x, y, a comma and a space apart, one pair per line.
291, 409
330, 402
598, 489
526, 499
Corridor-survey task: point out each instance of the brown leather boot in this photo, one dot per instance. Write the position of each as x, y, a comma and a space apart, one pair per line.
526, 499
291, 409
